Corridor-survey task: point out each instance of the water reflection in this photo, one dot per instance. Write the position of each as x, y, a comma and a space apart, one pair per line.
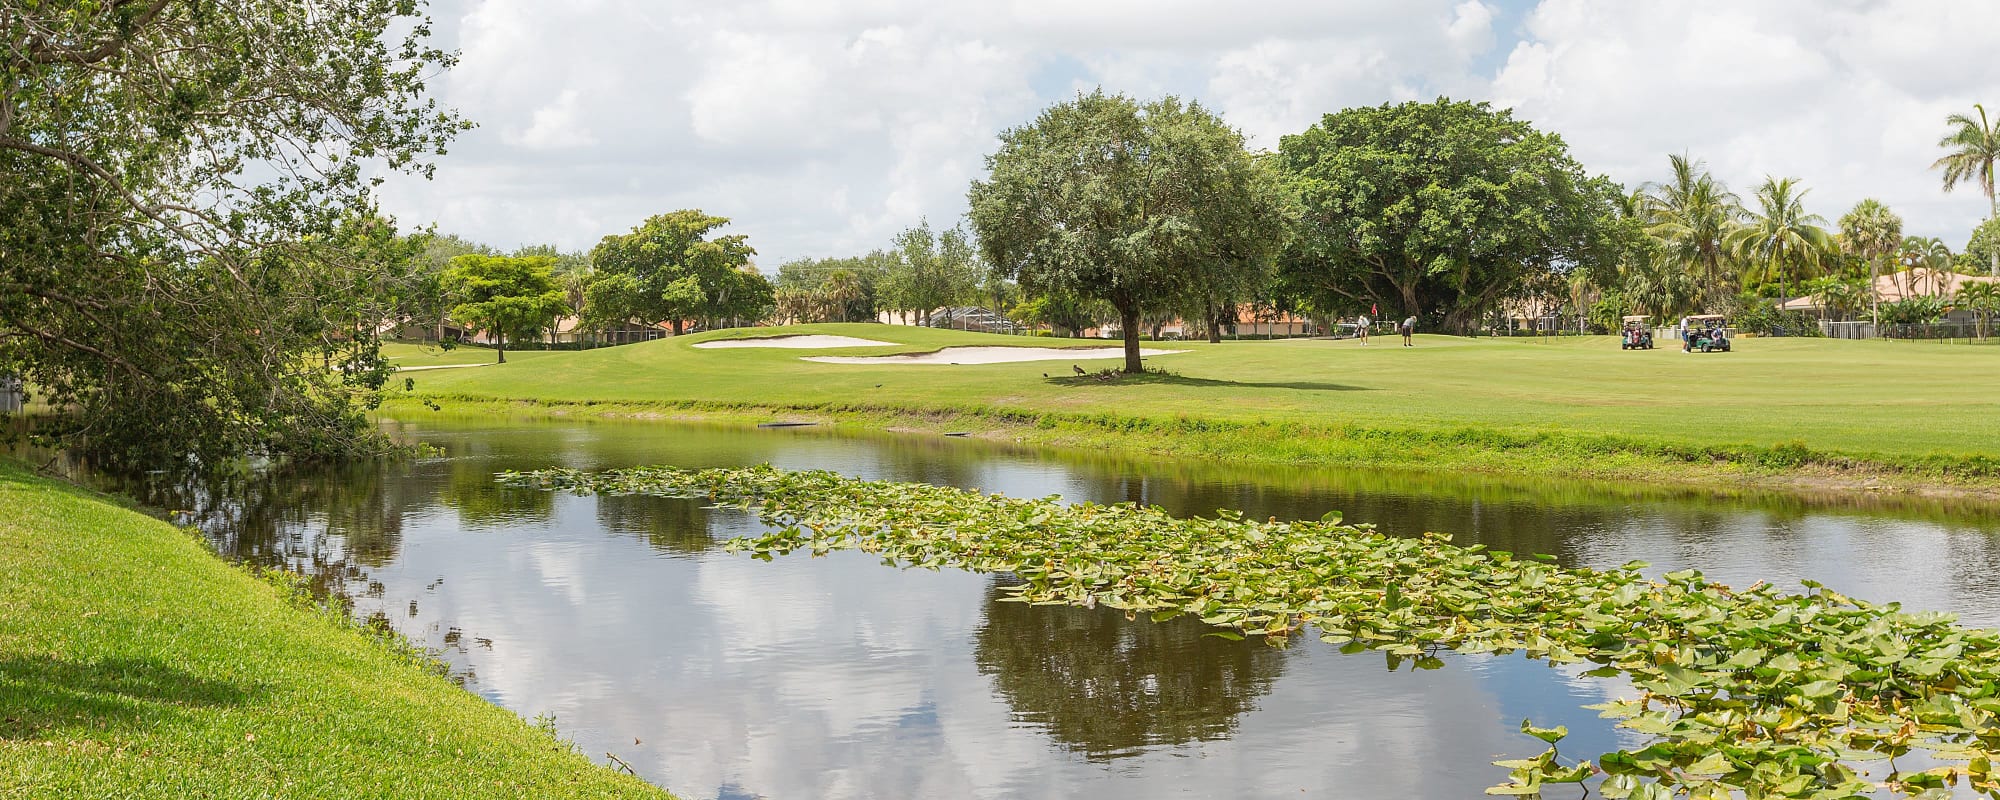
679, 527
1105, 686
720, 676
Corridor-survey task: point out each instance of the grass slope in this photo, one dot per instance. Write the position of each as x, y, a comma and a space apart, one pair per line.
135, 664
1577, 406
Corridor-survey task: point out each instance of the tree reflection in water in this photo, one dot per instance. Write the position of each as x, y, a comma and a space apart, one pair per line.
1107, 687
678, 527
329, 524
483, 504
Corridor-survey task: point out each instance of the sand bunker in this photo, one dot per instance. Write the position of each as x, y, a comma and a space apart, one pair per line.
811, 342
992, 355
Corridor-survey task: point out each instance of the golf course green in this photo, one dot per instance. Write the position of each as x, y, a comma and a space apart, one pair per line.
1817, 412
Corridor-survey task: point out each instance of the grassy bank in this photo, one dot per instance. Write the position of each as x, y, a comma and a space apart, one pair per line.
1776, 412
134, 663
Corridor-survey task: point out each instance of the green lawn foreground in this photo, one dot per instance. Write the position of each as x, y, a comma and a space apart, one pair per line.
136, 664
1918, 412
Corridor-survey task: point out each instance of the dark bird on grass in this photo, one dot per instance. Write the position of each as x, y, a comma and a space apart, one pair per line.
1079, 370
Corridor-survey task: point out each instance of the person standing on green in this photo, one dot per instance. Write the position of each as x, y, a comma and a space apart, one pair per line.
1408, 328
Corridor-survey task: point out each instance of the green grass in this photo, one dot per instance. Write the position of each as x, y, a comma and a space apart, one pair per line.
136, 664
412, 354
1922, 414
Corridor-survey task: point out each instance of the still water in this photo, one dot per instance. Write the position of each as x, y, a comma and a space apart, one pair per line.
718, 676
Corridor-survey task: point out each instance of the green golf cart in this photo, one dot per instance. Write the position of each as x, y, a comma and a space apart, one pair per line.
1706, 333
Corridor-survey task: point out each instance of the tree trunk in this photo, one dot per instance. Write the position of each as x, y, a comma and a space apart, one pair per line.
500, 346
680, 327
1409, 293
1128, 319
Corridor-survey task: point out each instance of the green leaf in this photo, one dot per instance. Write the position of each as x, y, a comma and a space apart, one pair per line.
1550, 735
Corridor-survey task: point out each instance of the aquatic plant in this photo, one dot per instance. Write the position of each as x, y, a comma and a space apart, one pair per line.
1749, 692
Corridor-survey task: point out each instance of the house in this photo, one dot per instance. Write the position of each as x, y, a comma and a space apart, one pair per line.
411, 330
569, 330
964, 318
1537, 313
1250, 319
1903, 285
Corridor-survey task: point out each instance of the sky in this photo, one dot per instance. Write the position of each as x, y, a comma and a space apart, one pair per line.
823, 128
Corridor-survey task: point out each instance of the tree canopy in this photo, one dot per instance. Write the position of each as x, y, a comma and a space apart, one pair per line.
1438, 210
1972, 148
1780, 243
669, 270
1983, 248
185, 188
510, 297
930, 271
1140, 205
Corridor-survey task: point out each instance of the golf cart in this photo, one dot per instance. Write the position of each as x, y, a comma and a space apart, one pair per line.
1637, 334
1706, 333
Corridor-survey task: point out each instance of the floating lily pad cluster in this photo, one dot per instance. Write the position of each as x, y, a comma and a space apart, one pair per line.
1751, 693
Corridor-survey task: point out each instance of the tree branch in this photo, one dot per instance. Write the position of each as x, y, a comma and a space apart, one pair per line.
40, 51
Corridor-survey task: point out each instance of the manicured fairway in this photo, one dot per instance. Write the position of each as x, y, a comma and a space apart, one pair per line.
1899, 401
135, 664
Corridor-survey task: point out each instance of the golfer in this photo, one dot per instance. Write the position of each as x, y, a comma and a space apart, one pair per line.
1408, 328
1361, 324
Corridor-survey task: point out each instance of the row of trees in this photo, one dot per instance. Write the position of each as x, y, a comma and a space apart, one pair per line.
921, 277
1705, 248
1447, 211
1440, 210
670, 270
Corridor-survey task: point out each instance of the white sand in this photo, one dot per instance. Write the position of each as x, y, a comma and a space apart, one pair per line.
992, 355
811, 342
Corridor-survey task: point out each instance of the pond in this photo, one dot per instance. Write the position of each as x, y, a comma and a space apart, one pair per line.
719, 676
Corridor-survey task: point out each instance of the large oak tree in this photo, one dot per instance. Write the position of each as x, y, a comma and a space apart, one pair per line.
1437, 210
1146, 206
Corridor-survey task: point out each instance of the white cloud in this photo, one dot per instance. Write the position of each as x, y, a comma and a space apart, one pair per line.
555, 126
1832, 93
822, 128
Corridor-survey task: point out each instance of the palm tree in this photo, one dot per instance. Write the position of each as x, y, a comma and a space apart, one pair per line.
1971, 149
1982, 298
1872, 233
1691, 215
841, 293
1781, 242
1931, 255
1841, 297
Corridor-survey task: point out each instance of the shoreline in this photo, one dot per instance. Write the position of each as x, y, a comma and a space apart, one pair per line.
1790, 469
146, 665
